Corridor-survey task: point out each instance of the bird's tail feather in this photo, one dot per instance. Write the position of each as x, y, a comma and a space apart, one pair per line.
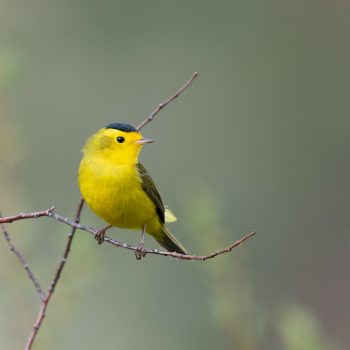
169, 242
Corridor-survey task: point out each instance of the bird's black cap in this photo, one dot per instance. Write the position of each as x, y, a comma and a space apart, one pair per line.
121, 127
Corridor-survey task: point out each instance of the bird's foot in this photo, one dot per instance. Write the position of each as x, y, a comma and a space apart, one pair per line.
100, 234
140, 251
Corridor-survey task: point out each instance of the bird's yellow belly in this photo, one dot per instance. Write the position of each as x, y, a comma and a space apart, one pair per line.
116, 195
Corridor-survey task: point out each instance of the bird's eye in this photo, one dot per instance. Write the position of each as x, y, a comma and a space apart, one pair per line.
120, 139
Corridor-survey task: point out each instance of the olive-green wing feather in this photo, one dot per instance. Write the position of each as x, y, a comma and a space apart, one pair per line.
150, 188
166, 239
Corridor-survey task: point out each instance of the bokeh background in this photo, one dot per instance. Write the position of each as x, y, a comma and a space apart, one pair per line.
260, 141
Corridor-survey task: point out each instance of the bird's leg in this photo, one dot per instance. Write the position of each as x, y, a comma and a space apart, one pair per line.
140, 249
100, 234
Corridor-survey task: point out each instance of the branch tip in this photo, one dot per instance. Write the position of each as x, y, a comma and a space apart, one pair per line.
163, 104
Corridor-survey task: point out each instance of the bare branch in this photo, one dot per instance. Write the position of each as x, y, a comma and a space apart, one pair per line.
74, 224
22, 261
51, 289
166, 102
178, 255
152, 251
22, 216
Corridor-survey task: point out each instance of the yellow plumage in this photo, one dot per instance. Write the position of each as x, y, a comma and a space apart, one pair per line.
118, 189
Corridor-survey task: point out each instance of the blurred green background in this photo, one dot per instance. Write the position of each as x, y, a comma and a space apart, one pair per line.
260, 141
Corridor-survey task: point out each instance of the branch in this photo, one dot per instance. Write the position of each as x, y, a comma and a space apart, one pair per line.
75, 225
22, 260
178, 255
51, 289
21, 216
166, 102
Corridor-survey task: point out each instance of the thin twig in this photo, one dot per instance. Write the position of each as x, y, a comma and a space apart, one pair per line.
166, 102
51, 289
182, 256
22, 261
22, 216
52, 214
119, 244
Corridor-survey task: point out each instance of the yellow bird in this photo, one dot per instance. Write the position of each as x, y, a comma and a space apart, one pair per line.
118, 188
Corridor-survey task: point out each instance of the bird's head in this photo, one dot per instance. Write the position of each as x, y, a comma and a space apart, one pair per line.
118, 142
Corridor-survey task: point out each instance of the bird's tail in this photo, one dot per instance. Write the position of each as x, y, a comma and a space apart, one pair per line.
169, 242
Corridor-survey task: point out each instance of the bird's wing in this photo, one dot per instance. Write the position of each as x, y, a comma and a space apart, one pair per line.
150, 188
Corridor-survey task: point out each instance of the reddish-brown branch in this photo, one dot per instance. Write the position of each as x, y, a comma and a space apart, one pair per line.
51, 289
178, 255
22, 261
52, 214
166, 102
21, 216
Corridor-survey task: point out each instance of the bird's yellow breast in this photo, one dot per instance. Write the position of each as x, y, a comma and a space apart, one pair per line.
115, 194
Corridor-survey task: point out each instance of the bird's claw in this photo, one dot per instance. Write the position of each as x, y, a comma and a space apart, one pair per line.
100, 236
140, 251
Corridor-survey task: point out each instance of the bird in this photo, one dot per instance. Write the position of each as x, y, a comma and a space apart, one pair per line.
118, 188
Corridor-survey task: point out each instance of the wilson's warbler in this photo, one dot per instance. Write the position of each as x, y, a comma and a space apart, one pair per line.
118, 188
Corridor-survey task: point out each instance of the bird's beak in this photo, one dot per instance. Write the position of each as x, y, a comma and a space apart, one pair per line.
143, 141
